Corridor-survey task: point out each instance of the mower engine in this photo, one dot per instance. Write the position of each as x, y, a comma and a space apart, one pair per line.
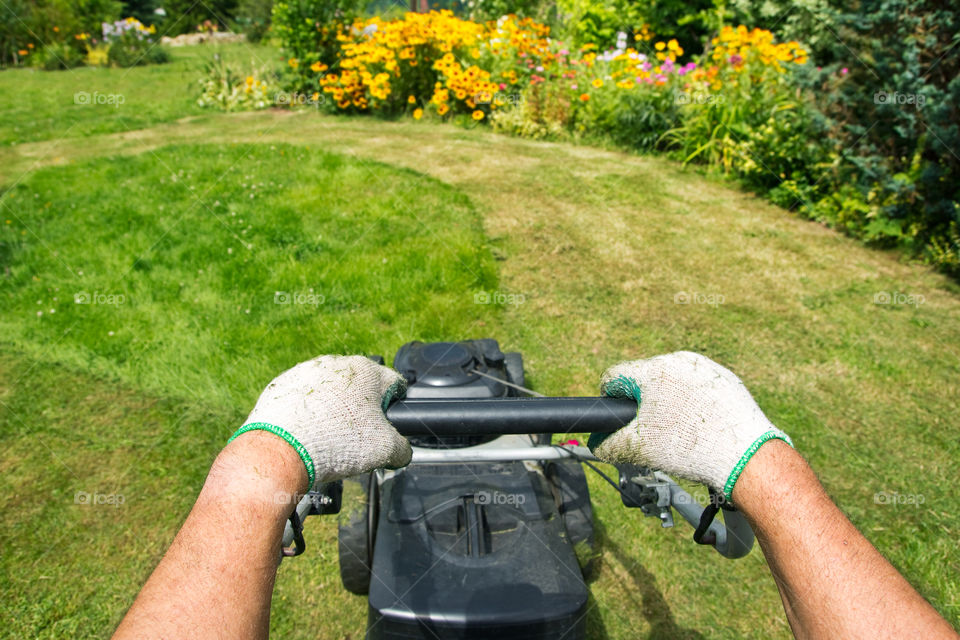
457, 550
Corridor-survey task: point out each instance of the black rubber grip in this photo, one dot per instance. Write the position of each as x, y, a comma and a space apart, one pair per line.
510, 415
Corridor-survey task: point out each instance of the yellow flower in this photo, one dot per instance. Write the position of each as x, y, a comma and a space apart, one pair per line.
597, 82
293, 62
318, 67
478, 115
659, 46
443, 108
411, 100
417, 114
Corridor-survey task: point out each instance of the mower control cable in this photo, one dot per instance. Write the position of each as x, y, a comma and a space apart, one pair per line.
529, 392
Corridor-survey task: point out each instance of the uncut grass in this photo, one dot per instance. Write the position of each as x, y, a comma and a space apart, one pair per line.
40, 105
200, 272
71, 570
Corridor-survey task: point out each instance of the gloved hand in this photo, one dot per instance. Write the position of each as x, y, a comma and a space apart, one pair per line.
695, 419
331, 411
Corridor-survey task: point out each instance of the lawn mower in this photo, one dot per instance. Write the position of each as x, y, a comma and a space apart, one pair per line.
488, 533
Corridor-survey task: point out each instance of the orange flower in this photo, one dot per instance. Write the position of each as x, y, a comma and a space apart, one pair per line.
584, 97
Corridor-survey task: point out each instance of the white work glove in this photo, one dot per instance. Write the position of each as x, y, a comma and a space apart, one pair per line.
695, 419
331, 411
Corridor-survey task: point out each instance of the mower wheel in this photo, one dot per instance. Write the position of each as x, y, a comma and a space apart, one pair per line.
356, 530
573, 502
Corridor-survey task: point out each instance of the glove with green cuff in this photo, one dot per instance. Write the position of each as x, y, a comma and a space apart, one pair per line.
331, 411
695, 419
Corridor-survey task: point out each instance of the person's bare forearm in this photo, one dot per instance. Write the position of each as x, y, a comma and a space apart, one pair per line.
217, 577
833, 582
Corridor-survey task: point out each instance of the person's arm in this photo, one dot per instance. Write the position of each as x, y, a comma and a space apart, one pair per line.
320, 421
833, 582
216, 579
696, 420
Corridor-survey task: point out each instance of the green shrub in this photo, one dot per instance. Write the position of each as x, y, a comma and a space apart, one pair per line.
57, 56
132, 44
130, 52
538, 115
308, 30
30, 26
253, 18
635, 119
185, 16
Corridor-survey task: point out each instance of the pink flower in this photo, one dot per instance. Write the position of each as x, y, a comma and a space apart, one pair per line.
564, 52
646, 66
844, 71
573, 86
539, 68
503, 85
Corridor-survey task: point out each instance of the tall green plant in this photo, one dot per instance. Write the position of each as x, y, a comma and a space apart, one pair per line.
308, 30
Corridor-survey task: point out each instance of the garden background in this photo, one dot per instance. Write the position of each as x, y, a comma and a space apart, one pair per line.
773, 184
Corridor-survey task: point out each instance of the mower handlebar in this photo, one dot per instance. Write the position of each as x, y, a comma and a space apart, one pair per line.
510, 415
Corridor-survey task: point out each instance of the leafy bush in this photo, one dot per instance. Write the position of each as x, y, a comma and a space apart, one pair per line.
132, 44
308, 31
253, 18
598, 22
27, 27
897, 112
541, 114
184, 16
128, 51
57, 56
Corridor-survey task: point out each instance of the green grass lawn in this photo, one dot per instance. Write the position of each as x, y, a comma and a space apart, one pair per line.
181, 233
